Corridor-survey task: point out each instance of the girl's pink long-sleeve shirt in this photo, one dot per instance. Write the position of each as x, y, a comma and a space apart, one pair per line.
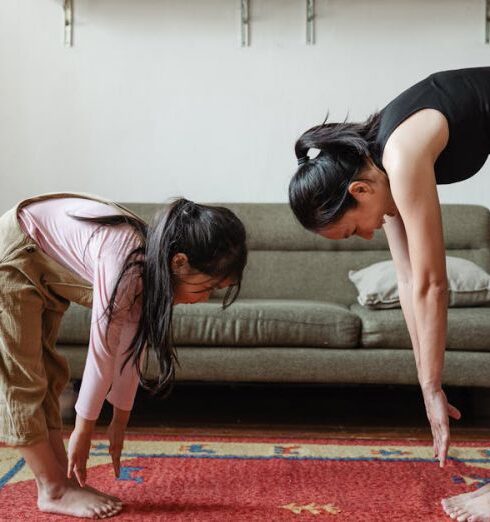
96, 254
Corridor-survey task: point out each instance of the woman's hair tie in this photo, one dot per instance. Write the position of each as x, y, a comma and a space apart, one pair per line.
303, 160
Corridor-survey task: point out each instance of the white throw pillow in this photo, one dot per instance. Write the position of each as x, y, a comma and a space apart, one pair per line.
469, 285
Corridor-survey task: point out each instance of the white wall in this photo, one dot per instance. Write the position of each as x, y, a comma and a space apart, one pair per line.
157, 98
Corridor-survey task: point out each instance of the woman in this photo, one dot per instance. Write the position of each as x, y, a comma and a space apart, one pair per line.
384, 172
67, 247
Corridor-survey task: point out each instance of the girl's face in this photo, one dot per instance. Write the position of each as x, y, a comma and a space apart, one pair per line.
192, 286
374, 201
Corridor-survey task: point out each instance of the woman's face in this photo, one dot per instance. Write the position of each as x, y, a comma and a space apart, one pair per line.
374, 201
192, 286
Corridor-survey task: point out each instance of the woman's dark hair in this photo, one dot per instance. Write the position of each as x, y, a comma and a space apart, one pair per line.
318, 191
213, 239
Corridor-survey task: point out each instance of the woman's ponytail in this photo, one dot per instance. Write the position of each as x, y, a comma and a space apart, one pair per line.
318, 192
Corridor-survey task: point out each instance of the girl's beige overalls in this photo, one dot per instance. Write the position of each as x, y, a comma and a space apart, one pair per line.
35, 291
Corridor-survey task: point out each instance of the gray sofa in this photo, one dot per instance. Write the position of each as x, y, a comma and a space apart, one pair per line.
297, 319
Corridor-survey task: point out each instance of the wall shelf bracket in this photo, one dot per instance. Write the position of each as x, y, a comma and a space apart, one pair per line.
310, 21
245, 22
68, 10
487, 22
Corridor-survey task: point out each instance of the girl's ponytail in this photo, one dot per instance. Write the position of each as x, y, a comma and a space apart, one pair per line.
214, 241
157, 299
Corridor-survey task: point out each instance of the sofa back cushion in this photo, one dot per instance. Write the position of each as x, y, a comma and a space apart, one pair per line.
288, 262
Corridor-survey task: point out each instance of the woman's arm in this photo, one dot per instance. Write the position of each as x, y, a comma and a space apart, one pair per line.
397, 241
420, 211
419, 208
409, 159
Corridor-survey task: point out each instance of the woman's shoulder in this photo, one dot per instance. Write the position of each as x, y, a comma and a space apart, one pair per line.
422, 136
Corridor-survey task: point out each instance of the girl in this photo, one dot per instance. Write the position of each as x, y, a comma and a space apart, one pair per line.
384, 172
68, 247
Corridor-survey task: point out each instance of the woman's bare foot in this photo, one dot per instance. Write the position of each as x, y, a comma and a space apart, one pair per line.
458, 501
469, 507
77, 502
453, 503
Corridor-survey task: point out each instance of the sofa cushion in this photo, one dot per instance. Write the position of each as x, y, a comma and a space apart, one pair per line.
75, 325
468, 328
272, 226
267, 322
257, 322
469, 284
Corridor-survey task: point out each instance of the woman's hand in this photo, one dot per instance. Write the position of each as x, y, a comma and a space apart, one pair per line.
115, 434
438, 412
78, 450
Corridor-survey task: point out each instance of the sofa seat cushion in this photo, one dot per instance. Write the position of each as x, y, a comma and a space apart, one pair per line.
267, 322
248, 322
468, 328
75, 325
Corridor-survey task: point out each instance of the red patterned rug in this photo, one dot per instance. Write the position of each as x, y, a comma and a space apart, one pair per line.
227, 479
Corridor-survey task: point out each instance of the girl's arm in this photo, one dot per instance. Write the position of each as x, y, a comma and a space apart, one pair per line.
115, 434
106, 352
125, 378
120, 417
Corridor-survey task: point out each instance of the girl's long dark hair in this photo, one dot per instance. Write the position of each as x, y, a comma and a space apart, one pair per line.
318, 191
214, 241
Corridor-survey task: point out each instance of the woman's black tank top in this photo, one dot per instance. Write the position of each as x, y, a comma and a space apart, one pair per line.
463, 97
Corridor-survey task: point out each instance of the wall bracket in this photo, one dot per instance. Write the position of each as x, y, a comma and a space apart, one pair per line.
310, 21
68, 10
487, 21
245, 22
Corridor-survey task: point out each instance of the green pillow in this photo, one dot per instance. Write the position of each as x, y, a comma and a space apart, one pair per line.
469, 285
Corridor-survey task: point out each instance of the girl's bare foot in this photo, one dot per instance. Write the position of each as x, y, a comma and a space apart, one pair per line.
74, 483
58, 447
77, 502
56, 493
98, 492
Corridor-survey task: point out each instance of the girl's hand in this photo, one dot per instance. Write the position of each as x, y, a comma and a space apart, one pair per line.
115, 434
78, 452
438, 412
